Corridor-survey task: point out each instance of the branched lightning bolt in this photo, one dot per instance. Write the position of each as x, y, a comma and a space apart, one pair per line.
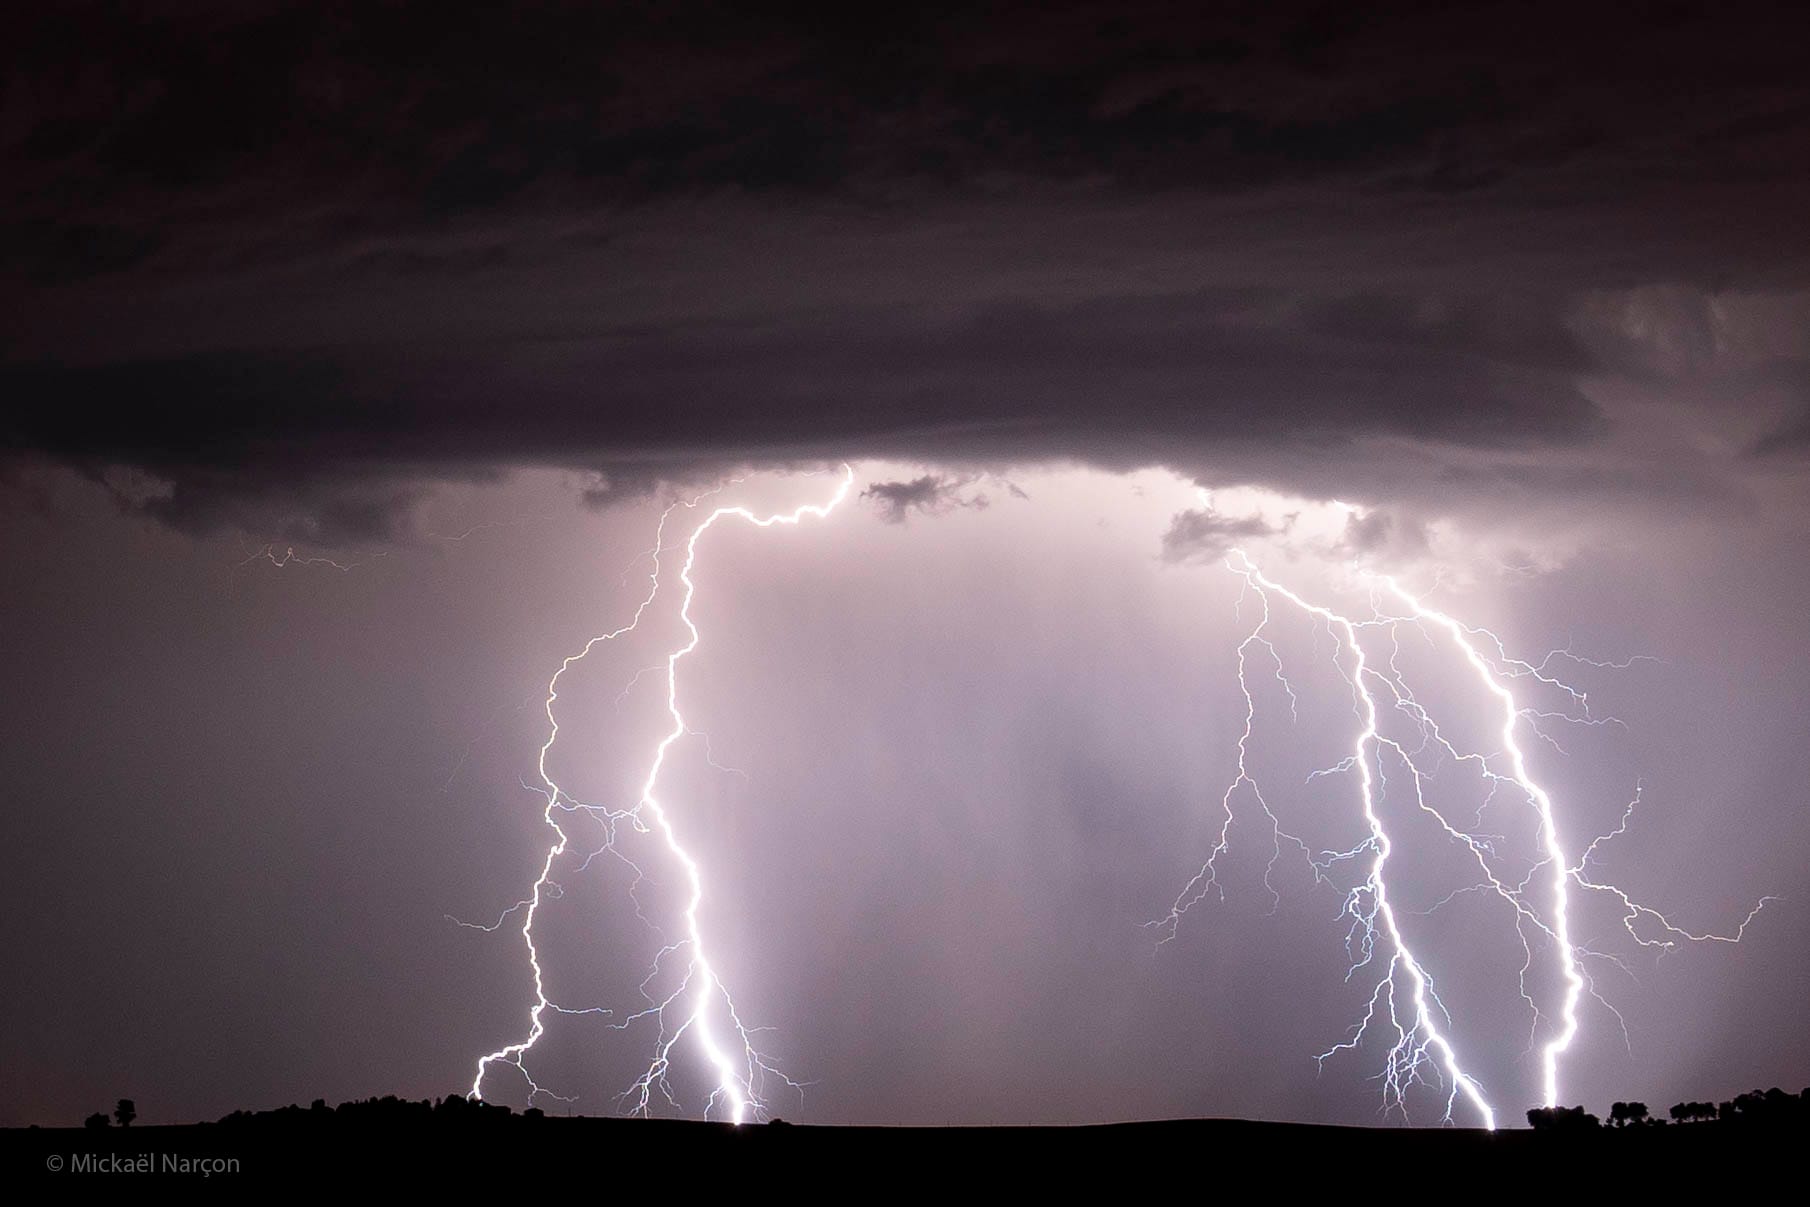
684, 994
289, 557
1415, 1019
700, 989
1206, 880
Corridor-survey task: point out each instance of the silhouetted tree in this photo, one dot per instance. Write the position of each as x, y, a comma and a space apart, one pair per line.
1562, 1119
1765, 1108
125, 1111
1743, 1108
1628, 1114
98, 1119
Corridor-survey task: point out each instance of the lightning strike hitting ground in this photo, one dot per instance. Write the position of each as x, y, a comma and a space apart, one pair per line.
1421, 1050
1395, 735
700, 992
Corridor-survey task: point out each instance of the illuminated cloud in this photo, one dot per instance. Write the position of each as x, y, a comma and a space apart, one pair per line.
1204, 535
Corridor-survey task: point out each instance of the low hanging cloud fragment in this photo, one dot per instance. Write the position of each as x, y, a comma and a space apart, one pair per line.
1373, 532
931, 494
1205, 535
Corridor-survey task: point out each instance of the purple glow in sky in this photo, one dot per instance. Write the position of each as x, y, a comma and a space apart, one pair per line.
945, 760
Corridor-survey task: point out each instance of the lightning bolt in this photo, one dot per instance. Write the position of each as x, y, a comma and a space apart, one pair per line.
1404, 1003
289, 557
1537, 892
688, 1008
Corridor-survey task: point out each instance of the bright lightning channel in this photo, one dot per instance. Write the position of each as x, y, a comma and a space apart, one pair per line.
1420, 1045
737, 1076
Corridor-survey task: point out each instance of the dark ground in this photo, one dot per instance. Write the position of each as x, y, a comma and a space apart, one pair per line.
1200, 1159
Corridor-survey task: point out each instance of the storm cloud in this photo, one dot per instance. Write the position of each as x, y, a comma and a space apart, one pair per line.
249, 255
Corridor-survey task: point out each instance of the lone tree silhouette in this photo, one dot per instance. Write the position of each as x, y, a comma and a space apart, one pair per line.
125, 1112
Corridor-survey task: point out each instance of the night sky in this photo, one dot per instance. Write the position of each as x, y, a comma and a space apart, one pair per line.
352, 352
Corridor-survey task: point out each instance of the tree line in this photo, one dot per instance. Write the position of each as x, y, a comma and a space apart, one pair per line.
1772, 1107
386, 1110
1756, 1108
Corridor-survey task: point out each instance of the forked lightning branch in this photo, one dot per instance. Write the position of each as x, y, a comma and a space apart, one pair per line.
694, 1017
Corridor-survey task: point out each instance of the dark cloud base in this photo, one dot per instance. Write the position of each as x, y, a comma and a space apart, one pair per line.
286, 259
1122, 383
